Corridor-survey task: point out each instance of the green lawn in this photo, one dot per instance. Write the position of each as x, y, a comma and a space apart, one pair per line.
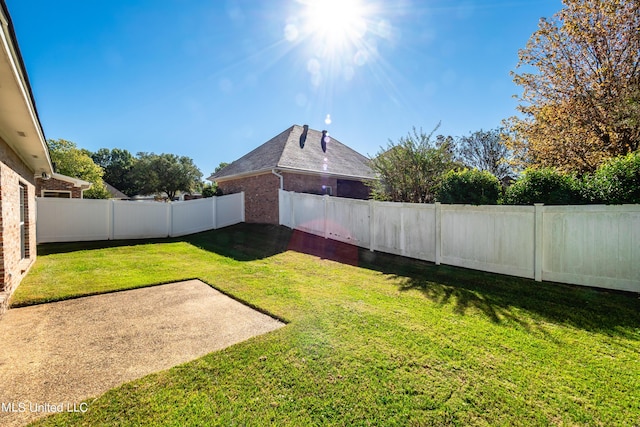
373, 339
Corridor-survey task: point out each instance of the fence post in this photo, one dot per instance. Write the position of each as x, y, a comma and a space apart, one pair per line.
293, 211
372, 231
402, 235
170, 220
538, 238
438, 232
242, 206
280, 206
214, 212
111, 215
325, 231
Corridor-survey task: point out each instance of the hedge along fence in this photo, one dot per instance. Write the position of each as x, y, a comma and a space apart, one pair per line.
583, 245
69, 220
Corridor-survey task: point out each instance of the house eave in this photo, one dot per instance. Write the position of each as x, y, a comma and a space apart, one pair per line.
84, 185
212, 178
325, 174
20, 125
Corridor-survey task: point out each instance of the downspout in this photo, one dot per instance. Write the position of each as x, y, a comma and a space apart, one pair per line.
273, 171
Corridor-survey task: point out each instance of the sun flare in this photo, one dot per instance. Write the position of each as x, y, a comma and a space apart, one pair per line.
335, 24
337, 38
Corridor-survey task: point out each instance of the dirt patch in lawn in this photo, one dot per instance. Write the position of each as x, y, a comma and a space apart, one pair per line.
53, 356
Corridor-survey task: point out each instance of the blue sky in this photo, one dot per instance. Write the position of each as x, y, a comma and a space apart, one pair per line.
213, 79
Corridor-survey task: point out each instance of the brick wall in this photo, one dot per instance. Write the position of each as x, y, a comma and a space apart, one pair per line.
13, 174
260, 196
261, 192
312, 184
57, 185
353, 189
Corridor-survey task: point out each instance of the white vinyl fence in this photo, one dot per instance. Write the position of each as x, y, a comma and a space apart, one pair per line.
72, 220
583, 245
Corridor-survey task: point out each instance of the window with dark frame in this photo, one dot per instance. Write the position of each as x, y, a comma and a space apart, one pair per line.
24, 228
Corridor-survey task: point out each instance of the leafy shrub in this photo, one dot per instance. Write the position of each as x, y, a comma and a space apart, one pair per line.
616, 181
469, 186
210, 190
546, 186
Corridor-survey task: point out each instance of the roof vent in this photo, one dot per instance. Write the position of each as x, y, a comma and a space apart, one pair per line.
303, 137
323, 142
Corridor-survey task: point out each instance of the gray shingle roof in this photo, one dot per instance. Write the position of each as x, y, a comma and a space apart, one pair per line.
289, 152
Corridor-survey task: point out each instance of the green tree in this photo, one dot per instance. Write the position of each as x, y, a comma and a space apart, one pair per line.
485, 151
469, 186
166, 173
221, 166
545, 185
580, 103
211, 190
616, 181
411, 169
71, 161
117, 165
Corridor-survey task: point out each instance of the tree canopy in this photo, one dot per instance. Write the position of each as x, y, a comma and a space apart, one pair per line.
166, 173
485, 151
581, 87
221, 166
71, 161
117, 165
411, 169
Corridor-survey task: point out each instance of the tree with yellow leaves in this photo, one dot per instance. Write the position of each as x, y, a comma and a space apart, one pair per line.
581, 87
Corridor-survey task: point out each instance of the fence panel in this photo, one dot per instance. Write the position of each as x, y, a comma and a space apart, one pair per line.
583, 245
141, 220
592, 245
192, 216
308, 213
69, 220
72, 220
387, 228
229, 210
284, 208
348, 221
498, 239
419, 228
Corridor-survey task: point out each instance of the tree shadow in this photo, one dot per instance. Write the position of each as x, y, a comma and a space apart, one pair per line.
67, 247
248, 242
499, 297
242, 242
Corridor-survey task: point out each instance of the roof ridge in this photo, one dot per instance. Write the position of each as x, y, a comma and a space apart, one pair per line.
289, 130
288, 150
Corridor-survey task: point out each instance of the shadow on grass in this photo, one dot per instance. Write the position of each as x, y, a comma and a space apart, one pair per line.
498, 297
242, 242
66, 247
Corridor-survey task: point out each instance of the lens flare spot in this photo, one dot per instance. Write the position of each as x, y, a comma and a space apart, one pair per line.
327, 120
291, 32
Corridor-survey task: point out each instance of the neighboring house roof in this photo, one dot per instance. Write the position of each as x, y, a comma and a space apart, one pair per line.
20, 126
115, 193
300, 149
84, 185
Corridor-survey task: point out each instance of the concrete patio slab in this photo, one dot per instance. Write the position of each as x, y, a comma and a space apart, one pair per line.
55, 355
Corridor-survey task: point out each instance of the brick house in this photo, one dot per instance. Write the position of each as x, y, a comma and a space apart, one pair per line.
23, 157
61, 186
299, 159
